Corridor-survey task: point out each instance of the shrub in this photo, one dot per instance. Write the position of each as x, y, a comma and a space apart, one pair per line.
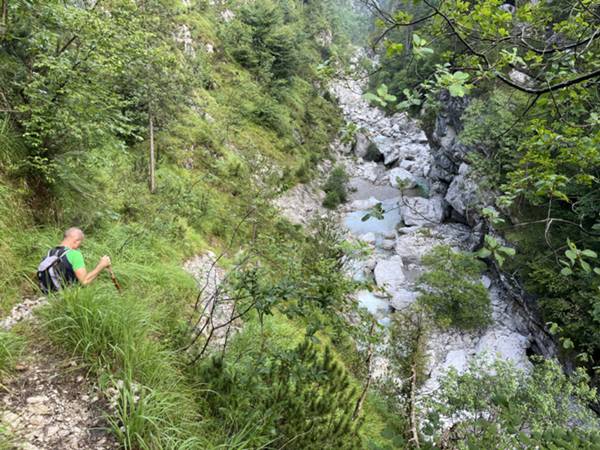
495, 405
296, 398
452, 289
335, 188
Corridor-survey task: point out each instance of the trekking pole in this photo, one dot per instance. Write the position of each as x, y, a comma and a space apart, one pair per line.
114, 279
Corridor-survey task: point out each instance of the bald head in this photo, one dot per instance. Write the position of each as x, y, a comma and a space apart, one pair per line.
72, 238
73, 232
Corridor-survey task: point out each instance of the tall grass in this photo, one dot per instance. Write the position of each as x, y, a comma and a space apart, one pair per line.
11, 347
117, 337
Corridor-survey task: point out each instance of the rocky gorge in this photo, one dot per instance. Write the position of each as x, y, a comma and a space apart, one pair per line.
427, 197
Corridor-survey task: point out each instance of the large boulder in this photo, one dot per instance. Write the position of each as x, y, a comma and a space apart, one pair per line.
421, 211
389, 274
388, 147
399, 176
465, 196
361, 144
506, 345
403, 298
367, 149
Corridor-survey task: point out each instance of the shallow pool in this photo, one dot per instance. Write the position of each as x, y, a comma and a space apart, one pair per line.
387, 225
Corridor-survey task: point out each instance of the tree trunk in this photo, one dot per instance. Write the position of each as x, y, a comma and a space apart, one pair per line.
4, 22
152, 157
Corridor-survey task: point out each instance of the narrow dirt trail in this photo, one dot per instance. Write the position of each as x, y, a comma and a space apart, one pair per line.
48, 403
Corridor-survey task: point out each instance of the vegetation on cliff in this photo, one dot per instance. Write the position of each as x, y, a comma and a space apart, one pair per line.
531, 129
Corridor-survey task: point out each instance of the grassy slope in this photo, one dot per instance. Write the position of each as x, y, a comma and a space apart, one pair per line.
132, 337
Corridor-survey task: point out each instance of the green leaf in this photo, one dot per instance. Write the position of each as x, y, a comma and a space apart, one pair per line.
499, 258
460, 76
370, 97
585, 266
566, 271
508, 250
567, 343
456, 90
589, 253
571, 255
382, 90
490, 241
483, 253
597, 270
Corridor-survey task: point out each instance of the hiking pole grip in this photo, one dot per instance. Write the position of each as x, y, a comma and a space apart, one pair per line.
114, 279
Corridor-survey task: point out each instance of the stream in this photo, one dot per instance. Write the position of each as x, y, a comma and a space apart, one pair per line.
388, 149
417, 218
414, 222
392, 148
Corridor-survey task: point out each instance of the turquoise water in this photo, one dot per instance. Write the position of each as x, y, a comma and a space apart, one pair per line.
387, 225
378, 307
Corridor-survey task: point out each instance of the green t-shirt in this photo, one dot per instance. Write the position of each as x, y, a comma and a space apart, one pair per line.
75, 258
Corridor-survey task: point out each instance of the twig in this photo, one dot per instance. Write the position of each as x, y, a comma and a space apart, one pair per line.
413, 413
363, 394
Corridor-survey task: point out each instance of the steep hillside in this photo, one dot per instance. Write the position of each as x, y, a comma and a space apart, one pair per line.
232, 98
319, 241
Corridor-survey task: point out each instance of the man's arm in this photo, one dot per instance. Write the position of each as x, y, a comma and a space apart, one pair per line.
86, 277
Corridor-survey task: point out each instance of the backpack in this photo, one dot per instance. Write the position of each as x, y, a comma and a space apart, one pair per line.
55, 270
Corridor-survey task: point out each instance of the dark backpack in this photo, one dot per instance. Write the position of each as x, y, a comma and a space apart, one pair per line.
55, 271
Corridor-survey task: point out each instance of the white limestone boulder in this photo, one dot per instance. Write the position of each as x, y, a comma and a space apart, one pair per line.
506, 345
403, 298
401, 177
389, 273
419, 211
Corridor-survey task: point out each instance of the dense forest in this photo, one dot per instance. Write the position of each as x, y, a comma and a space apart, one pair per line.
169, 131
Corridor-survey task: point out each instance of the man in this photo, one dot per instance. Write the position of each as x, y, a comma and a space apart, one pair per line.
64, 264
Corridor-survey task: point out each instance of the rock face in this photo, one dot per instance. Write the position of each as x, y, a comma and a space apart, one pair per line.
462, 194
396, 137
465, 196
301, 203
448, 153
213, 308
